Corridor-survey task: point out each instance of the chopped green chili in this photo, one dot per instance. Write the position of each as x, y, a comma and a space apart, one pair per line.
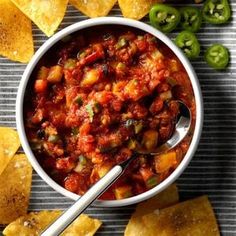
90, 112
188, 42
217, 56
164, 17
216, 11
191, 18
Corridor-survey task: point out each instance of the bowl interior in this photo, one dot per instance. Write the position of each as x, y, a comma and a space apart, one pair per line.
88, 25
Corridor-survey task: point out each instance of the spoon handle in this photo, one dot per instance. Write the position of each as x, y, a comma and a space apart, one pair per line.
83, 202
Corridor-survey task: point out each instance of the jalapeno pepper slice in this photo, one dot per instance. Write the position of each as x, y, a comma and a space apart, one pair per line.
191, 18
188, 42
164, 17
217, 56
216, 11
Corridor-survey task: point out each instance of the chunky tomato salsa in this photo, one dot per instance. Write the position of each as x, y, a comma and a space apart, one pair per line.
95, 98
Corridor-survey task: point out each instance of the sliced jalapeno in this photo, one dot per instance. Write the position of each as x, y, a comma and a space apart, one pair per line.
216, 11
164, 17
191, 18
217, 56
188, 42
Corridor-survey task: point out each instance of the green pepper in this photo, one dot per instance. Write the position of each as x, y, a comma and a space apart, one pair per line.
79, 100
74, 130
188, 42
70, 64
217, 56
97, 107
121, 43
191, 18
90, 112
152, 181
164, 17
216, 11
82, 160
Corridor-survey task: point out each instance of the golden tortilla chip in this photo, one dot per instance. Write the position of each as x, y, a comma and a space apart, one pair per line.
35, 222
83, 226
94, 8
31, 224
15, 185
9, 144
46, 14
194, 217
16, 41
164, 199
136, 9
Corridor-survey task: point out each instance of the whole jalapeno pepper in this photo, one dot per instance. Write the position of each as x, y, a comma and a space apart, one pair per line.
191, 18
188, 42
216, 11
164, 17
217, 56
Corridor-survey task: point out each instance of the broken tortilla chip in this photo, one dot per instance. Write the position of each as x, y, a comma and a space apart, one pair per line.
136, 9
46, 14
164, 199
94, 8
193, 217
16, 41
15, 185
83, 225
35, 222
31, 224
9, 144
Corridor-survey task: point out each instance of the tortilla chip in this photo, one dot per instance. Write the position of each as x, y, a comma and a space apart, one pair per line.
46, 14
31, 224
164, 199
94, 8
83, 225
16, 41
194, 217
35, 222
15, 185
9, 144
136, 9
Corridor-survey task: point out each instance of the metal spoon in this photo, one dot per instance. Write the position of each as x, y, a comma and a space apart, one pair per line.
181, 129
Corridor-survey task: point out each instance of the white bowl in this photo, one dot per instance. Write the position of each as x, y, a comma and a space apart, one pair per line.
110, 21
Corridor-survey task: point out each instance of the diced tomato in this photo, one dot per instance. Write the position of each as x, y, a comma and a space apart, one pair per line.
156, 106
86, 143
37, 117
65, 164
103, 97
141, 44
76, 183
40, 86
98, 53
84, 129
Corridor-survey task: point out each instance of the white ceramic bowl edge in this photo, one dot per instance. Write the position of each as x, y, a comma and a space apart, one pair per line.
110, 21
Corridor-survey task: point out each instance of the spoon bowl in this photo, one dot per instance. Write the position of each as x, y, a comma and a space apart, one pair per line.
181, 129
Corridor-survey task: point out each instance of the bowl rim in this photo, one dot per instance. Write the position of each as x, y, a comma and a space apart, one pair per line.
122, 22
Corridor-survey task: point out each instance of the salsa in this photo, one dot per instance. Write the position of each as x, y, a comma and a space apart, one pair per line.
95, 98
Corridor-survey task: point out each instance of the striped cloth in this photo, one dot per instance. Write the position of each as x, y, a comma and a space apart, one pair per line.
213, 168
